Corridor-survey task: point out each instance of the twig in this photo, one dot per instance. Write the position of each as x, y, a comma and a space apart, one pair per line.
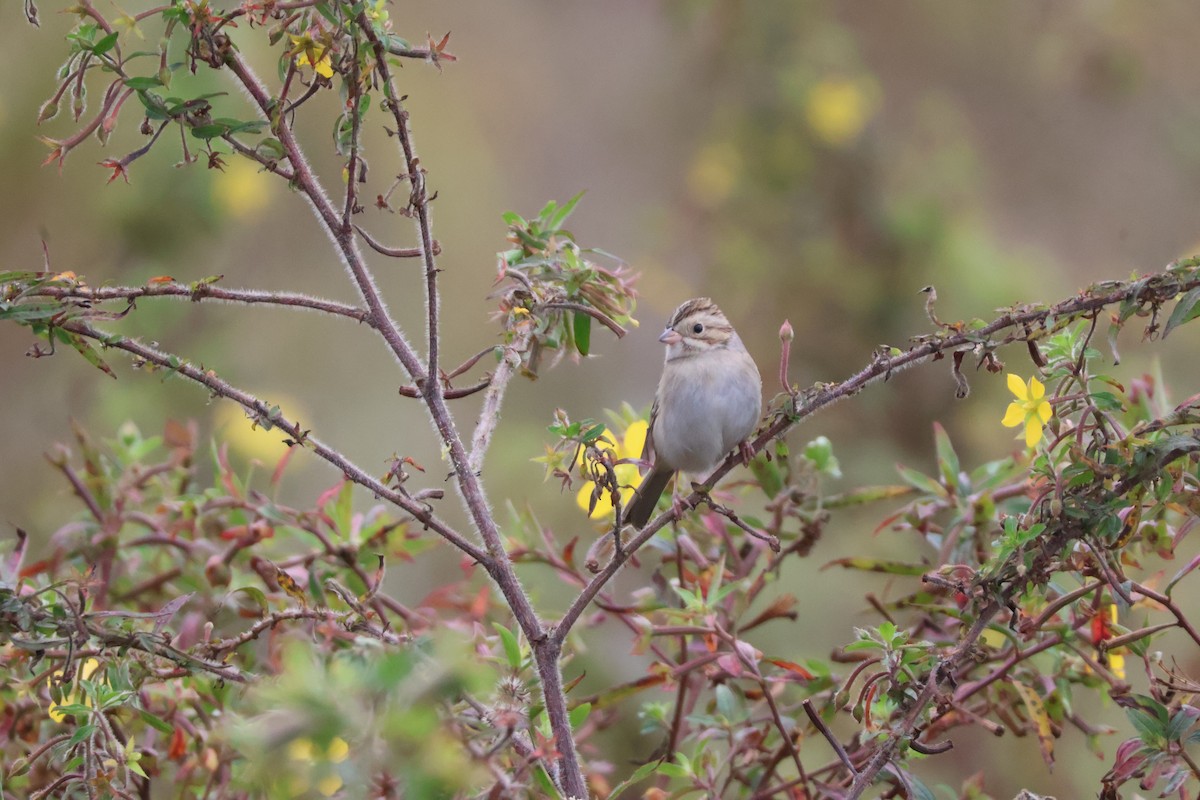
489, 414
596, 314
816, 720
394, 252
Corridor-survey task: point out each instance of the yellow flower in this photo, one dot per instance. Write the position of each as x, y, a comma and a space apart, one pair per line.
1116, 660
86, 669
628, 475
310, 54
838, 109
1030, 409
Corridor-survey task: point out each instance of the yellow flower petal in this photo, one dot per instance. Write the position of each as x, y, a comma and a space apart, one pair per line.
1033, 431
1116, 663
603, 507
1044, 412
634, 440
1014, 416
1017, 386
1036, 389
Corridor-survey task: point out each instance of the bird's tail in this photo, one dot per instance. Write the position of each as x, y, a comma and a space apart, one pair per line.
639, 511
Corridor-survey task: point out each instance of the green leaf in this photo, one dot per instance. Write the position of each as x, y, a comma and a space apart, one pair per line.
560, 216
820, 452
25, 313
104, 45
768, 475
211, 131
579, 714
156, 107
921, 481
1181, 722
143, 83
81, 733
879, 565
582, 328
946, 457
85, 349
1150, 728
640, 774
1186, 310
158, 723
512, 648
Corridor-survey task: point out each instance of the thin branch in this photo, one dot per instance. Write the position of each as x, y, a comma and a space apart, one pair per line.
203, 291
816, 720
489, 414
394, 252
596, 314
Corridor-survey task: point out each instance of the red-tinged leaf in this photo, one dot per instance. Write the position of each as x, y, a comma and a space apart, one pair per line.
887, 521
119, 170
179, 436
159, 279
792, 667
37, 568
234, 533
731, 664
571, 684
1039, 719
12, 564
282, 464
479, 606
626, 689
178, 747
879, 565
568, 552
782, 607
748, 652
226, 472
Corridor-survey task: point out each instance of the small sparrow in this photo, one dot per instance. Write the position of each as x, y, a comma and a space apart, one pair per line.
708, 401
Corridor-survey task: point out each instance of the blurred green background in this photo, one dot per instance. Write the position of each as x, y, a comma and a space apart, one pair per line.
813, 161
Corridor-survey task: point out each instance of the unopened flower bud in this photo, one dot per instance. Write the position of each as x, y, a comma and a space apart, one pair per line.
786, 333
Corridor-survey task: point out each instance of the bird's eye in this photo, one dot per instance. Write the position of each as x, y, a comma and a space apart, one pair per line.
697, 328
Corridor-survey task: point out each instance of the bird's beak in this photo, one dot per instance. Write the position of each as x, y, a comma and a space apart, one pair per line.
670, 336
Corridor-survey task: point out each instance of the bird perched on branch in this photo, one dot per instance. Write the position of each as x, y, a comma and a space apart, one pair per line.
708, 401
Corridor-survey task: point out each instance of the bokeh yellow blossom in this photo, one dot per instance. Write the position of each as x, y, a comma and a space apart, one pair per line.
241, 189
86, 669
1030, 409
254, 441
714, 174
329, 782
628, 476
837, 109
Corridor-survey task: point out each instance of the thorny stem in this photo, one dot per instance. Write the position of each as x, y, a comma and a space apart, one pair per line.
204, 291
